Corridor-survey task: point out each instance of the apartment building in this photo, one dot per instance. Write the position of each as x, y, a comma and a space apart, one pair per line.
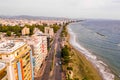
17, 56
49, 31
3, 72
38, 43
25, 31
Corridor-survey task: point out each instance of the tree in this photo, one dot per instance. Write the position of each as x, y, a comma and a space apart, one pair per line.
65, 52
65, 55
40, 27
8, 33
55, 27
76, 78
66, 60
69, 68
85, 78
18, 34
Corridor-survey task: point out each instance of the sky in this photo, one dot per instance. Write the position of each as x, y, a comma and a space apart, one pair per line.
106, 9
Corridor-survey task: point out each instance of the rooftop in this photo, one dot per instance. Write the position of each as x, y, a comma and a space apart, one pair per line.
35, 40
9, 46
2, 66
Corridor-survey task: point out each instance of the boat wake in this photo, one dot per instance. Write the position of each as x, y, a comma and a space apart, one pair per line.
100, 65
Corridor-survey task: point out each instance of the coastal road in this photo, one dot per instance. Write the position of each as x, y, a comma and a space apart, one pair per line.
57, 71
58, 66
57, 63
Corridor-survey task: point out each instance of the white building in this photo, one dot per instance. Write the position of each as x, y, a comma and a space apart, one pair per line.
38, 44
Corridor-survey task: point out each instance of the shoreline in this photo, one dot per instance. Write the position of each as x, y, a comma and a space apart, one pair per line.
93, 74
88, 57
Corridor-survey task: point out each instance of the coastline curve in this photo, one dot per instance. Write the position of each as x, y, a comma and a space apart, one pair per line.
100, 65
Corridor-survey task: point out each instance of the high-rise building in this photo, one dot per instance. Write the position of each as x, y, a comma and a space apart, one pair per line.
38, 43
17, 56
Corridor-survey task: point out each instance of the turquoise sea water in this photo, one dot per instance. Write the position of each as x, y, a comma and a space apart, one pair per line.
100, 40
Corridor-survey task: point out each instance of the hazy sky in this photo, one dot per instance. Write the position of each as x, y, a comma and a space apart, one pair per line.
62, 8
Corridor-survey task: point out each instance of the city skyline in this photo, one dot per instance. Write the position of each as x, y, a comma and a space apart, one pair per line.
105, 9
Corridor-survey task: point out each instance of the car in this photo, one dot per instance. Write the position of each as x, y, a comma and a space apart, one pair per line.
60, 62
119, 75
56, 64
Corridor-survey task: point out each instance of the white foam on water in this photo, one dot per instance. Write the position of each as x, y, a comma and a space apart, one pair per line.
100, 65
118, 44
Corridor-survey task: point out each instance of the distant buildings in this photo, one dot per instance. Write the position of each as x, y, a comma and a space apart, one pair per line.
49, 31
23, 22
17, 56
25, 31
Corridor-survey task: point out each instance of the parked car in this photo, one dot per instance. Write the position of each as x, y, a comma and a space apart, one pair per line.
56, 64
60, 62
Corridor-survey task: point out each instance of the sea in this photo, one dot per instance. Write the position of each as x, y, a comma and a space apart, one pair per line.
99, 41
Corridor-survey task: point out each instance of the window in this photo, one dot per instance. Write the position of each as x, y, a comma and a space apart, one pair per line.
6, 55
25, 47
17, 53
